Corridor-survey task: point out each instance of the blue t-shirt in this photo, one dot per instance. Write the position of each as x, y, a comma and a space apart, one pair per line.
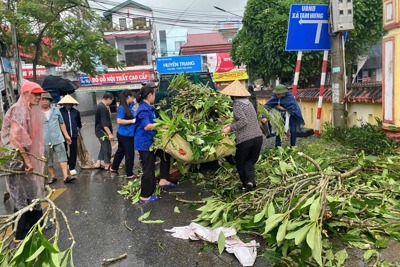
126, 129
145, 115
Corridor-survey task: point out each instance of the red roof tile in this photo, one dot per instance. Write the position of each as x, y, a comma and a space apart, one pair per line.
203, 43
358, 92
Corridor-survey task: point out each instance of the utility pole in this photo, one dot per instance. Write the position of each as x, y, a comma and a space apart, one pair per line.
14, 40
341, 20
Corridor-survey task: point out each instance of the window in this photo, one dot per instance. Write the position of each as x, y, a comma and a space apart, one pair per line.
135, 47
122, 24
139, 23
178, 45
136, 58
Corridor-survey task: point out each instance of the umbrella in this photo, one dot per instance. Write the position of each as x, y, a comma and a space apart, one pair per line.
64, 86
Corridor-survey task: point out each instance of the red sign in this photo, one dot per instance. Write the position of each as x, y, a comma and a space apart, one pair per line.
116, 78
27, 73
219, 62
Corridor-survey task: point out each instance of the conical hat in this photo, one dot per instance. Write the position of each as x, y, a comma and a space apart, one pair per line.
235, 89
68, 100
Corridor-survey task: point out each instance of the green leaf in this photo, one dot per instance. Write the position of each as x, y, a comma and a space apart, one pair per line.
272, 222
311, 236
315, 209
221, 242
36, 254
144, 216
302, 233
369, 253
341, 256
271, 209
259, 216
308, 202
317, 251
280, 236
176, 210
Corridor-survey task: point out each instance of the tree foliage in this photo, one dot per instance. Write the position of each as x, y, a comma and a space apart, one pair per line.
260, 44
51, 30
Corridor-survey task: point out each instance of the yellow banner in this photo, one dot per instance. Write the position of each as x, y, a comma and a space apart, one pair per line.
230, 76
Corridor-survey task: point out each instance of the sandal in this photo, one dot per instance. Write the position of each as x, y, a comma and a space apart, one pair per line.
69, 179
152, 198
114, 171
101, 167
133, 176
52, 180
167, 186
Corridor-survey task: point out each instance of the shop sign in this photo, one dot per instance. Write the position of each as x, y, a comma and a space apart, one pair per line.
27, 73
179, 64
116, 78
219, 62
230, 76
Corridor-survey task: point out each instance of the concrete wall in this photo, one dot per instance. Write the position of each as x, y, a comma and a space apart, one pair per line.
366, 112
136, 40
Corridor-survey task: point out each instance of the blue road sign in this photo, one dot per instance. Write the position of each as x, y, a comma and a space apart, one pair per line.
308, 28
179, 64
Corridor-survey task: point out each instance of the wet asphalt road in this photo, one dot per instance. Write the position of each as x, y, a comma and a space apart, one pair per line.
97, 216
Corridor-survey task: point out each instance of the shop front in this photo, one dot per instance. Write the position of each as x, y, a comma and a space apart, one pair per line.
223, 79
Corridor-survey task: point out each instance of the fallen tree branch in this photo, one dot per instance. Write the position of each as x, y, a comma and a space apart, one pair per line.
112, 260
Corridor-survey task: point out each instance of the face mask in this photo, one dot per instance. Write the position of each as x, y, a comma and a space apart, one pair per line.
68, 106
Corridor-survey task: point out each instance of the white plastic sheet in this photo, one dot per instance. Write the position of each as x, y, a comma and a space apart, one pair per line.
246, 253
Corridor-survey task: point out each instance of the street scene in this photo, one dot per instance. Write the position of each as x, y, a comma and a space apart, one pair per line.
197, 133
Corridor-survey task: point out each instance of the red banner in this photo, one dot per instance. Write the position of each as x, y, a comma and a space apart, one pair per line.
219, 62
27, 73
116, 78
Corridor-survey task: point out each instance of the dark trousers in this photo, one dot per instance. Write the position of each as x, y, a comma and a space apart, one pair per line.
73, 152
247, 154
148, 159
25, 223
105, 151
125, 149
292, 130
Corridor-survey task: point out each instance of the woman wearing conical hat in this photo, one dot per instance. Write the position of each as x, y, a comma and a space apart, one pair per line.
72, 120
248, 133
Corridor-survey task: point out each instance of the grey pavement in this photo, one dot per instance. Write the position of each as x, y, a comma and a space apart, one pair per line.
97, 215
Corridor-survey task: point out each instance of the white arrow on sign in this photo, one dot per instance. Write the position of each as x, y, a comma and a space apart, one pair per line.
319, 26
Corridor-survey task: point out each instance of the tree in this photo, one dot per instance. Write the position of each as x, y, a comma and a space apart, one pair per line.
51, 30
260, 44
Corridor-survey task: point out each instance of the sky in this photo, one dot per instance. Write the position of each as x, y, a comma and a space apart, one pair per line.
196, 15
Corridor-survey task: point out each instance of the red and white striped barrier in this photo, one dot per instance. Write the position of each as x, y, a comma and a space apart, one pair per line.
321, 92
297, 73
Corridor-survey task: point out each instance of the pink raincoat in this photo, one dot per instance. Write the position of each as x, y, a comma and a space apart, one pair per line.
23, 127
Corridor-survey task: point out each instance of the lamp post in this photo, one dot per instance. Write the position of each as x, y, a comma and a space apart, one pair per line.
223, 10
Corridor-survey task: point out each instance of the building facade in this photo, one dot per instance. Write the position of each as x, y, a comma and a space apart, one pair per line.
171, 41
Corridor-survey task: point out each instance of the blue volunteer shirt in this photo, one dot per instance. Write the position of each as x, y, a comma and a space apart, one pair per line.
145, 115
126, 129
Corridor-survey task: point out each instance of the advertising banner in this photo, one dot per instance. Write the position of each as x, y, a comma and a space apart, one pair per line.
116, 78
27, 73
219, 62
230, 76
179, 64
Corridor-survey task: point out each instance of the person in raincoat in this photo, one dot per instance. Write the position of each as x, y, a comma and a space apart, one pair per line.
22, 132
284, 101
247, 131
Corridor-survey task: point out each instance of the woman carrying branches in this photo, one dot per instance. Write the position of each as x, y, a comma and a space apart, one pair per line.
144, 137
22, 132
248, 133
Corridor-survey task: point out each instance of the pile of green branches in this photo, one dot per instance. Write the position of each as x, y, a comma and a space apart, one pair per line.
198, 116
303, 199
